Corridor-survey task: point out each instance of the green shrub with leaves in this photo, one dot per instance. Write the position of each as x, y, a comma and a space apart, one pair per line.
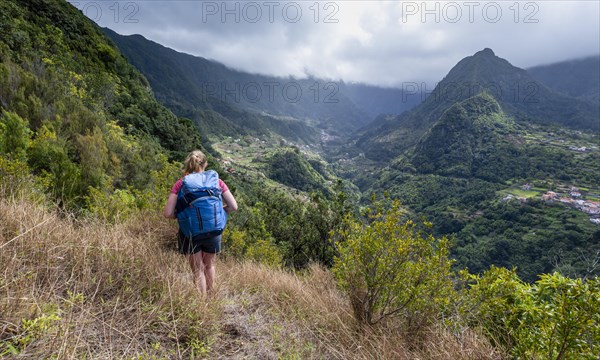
110, 204
238, 244
566, 320
48, 158
234, 243
390, 269
265, 252
15, 134
555, 318
495, 299
32, 330
15, 179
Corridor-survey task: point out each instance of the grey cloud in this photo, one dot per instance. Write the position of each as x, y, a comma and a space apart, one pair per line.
378, 42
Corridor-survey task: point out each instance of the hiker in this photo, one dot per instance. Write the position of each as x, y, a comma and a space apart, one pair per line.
199, 235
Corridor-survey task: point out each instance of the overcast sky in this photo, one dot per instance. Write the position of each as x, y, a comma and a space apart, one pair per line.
382, 43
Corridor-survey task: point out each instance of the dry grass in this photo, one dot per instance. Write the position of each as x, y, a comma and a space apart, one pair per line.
77, 289
97, 291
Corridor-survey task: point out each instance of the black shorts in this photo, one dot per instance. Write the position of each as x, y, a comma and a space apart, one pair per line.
211, 245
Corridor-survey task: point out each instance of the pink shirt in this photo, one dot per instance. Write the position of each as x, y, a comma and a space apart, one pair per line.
177, 186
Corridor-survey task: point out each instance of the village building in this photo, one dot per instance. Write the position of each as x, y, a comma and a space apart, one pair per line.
550, 196
592, 210
508, 197
575, 194
579, 149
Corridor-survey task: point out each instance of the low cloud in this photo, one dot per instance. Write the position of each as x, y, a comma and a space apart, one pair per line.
377, 42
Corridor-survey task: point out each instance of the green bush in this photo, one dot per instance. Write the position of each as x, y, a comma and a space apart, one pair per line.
265, 252
234, 243
17, 181
15, 135
389, 269
555, 318
111, 205
49, 159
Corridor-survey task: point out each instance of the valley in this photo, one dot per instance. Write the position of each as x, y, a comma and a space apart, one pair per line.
245, 157
558, 180
479, 160
250, 159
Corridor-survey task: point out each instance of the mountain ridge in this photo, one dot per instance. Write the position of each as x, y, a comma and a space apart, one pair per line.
518, 93
575, 77
231, 92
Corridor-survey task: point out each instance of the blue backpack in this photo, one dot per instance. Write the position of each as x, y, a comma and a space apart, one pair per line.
199, 206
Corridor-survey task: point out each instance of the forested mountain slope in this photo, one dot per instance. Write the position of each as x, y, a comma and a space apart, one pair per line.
75, 112
519, 94
502, 189
197, 87
578, 78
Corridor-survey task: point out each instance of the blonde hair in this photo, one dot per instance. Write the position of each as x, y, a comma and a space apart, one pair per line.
195, 162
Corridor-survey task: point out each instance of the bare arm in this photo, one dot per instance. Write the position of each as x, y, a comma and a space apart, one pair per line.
170, 207
230, 203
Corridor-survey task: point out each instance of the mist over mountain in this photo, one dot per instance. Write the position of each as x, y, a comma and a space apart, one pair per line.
376, 101
191, 86
177, 81
517, 93
578, 78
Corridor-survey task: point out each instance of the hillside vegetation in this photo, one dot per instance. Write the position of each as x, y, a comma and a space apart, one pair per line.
75, 289
578, 78
76, 114
72, 288
467, 173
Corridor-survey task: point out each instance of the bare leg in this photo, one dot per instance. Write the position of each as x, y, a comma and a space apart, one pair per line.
209, 269
198, 269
